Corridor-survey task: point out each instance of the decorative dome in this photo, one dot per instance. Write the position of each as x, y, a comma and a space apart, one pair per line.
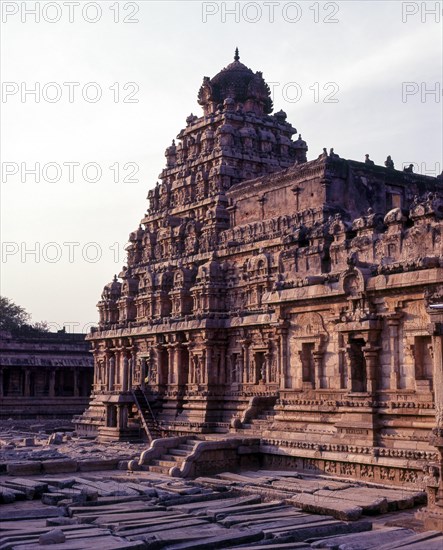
112, 290
300, 143
238, 82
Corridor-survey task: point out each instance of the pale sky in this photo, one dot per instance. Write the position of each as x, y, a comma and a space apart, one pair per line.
381, 61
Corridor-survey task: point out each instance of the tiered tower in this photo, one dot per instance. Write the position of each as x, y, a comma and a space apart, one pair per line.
260, 280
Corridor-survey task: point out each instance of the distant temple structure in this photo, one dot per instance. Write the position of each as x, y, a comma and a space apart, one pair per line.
47, 375
269, 295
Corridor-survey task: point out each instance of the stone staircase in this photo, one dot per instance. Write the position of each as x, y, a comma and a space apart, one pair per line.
263, 421
172, 457
191, 455
149, 422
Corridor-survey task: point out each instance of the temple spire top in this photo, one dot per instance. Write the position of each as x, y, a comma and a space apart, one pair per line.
236, 56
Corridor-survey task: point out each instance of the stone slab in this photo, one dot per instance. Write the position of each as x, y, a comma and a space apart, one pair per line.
52, 498
370, 504
220, 513
364, 541
419, 540
59, 466
329, 506
32, 513
97, 465
223, 503
24, 468
251, 518
173, 526
200, 542
103, 543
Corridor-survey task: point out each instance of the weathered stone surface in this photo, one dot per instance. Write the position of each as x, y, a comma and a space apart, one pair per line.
97, 465
334, 507
56, 536
28, 486
416, 542
362, 541
229, 519
32, 513
220, 541
59, 466
55, 439
6, 495
24, 468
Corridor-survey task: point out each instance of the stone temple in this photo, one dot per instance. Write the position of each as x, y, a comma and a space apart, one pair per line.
270, 296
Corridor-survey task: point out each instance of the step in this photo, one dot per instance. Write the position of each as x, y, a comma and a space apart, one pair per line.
173, 458
158, 470
267, 413
184, 447
164, 463
178, 452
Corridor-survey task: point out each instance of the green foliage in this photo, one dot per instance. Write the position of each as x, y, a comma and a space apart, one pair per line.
16, 319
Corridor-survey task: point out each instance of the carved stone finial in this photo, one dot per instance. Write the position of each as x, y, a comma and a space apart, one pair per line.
389, 163
236, 56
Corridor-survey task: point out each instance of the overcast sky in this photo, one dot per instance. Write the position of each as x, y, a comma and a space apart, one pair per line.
362, 77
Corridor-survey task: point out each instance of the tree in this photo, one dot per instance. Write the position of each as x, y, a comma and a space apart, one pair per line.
14, 318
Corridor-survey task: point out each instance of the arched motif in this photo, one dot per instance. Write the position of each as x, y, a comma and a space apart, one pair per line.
352, 282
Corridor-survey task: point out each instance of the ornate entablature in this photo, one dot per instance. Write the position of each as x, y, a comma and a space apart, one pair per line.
256, 273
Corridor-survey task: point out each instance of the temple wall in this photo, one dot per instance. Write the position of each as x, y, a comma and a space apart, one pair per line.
44, 375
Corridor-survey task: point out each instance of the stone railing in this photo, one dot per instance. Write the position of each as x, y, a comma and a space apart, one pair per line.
212, 449
157, 448
256, 405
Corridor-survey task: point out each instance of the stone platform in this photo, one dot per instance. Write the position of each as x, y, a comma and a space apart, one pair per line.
116, 510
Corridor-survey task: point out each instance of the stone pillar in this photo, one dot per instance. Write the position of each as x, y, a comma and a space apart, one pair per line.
125, 373
207, 372
246, 364
394, 378
142, 373
371, 357
61, 381
223, 371
160, 368
124, 417
318, 369
241, 367
111, 373
282, 360
181, 369
268, 363
27, 384
132, 356
348, 366
76, 384
105, 372
96, 375
119, 416
343, 374
171, 363
130, 372
52, 383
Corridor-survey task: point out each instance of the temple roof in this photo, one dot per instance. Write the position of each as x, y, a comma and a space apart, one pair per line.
238, 82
